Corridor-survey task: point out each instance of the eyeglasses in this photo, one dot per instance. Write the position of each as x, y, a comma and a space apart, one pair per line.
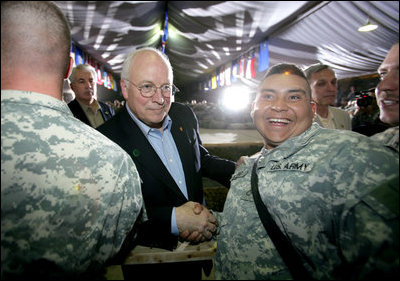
148, 89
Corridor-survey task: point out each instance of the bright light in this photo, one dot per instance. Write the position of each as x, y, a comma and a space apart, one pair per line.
235, 98
368, 27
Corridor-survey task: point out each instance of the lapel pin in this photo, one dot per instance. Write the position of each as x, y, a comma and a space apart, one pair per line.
136, 152
181, 129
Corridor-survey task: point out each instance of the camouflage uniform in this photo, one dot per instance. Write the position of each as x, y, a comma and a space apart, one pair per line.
321, 188
389, 137
69, 196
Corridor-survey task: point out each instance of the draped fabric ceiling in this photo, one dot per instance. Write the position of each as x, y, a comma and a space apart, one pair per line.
204, 35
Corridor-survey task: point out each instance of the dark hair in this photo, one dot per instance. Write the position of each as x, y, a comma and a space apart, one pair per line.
285, 68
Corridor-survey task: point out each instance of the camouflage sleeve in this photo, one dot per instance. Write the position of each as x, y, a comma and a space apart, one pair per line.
389, 137
239, 172
123, 210
369, 234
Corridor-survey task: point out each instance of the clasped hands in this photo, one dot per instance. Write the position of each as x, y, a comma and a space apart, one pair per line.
195, 222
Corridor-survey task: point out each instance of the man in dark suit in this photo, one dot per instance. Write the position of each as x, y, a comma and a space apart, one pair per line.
85, 106
163, 140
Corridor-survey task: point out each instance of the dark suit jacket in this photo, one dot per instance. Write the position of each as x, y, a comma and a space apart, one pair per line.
160, 191
106, 111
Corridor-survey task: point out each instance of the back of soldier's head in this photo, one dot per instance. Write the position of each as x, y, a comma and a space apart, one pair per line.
34, 35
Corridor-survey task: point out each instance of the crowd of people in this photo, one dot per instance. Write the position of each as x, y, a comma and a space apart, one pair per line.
81, 184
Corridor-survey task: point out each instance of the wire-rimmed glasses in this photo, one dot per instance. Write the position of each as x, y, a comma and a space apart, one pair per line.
148, 89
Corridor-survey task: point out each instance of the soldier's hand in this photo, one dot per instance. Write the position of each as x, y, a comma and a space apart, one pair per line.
193, 225
240, 161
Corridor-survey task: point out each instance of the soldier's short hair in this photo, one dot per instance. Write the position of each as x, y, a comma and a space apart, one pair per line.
285, 68
35, 34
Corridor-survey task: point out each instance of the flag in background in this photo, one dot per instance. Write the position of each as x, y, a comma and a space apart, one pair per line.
78, 56
108, 86
263, 58
165, 35
235, 69
250, 72
105, 78
228, 75
242, 62
115, 85
214, 81
222, 76
99, 75
252, 68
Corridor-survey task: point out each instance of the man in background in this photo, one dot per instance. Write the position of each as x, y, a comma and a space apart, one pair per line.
323, 84
387, 95
85, 106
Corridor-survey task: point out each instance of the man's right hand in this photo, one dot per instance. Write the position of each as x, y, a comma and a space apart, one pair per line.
195, 222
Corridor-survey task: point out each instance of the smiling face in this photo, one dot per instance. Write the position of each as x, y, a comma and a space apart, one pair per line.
148, 67
282, 108
387, 91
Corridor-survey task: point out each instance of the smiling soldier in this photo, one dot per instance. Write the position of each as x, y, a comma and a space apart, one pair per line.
332, 194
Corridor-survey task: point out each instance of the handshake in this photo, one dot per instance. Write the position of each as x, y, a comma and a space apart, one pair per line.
195, 222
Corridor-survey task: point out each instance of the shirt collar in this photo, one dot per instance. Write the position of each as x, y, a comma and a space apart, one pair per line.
291, 146
330, 115
86, 107
35, 98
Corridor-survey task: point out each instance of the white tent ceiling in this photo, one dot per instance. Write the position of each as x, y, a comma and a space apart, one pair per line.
204, 35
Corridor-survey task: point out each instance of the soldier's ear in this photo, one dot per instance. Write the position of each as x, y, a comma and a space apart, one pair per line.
69, 69
313, 107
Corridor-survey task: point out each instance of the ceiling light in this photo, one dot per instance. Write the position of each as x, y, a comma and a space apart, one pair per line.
367, 27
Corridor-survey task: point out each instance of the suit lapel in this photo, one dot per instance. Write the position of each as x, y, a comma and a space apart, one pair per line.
78, 112
141, 151
105, 112
338, 118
